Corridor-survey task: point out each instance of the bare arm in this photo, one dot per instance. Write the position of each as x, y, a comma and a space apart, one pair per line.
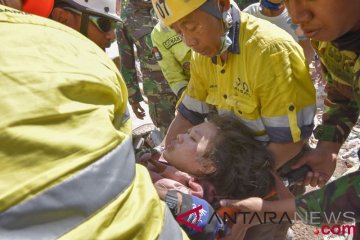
178, 125
286, 202
283, 152
322, 161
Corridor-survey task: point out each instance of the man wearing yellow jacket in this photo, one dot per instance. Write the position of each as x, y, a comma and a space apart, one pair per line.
247, 68
173, 57
67, 165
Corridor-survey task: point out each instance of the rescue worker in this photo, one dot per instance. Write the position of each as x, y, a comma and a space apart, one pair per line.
99, 27
174, 57
336, 40
67, 163
247, 68
136, 30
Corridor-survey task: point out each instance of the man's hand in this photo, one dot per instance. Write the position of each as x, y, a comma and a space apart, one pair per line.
252, 204
138, 110
283, 152
176, 175
322, 161
163, 170
259, 205
161, 190
179, 125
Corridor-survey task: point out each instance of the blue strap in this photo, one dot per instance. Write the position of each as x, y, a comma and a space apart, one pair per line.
194, 117
270, 5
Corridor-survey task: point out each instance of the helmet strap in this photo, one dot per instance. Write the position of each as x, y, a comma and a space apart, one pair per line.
84, 23
225, 40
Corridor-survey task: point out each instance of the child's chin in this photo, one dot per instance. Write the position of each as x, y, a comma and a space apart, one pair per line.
167, 154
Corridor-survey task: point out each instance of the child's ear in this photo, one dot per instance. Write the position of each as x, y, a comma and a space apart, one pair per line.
207, 167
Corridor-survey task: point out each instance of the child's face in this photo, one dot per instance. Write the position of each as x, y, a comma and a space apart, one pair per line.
186, 151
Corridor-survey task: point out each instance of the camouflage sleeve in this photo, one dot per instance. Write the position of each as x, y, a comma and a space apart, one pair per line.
340, 199
342, 111
128, 69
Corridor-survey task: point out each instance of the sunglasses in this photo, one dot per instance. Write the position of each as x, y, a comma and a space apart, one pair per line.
102, 23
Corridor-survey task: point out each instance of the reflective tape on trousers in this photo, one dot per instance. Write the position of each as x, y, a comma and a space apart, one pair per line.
62, 208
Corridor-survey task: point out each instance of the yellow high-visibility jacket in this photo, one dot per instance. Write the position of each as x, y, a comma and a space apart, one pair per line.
67, 167
174, 59
265, 82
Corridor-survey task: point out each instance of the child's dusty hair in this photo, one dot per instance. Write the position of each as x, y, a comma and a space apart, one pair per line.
243, 165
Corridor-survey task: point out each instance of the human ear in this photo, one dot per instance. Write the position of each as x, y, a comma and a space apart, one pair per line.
60, 15
207, 167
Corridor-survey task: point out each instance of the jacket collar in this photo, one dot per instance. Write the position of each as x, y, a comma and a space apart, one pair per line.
233, 33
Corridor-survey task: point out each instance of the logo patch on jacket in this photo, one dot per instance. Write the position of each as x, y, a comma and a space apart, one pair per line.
241, 86
172, 41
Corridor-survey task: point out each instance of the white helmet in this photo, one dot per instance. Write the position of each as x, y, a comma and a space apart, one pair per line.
106, 8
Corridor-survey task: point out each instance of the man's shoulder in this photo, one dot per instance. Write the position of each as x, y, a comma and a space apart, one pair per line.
52, 36
252, 9
161, 33
10, 15
257, 35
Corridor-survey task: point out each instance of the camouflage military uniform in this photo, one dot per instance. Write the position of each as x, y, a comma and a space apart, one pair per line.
342, 72
136, 29
340, 196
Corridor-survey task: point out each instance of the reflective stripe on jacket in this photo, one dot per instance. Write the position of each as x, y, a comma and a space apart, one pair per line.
67, 165
265, 82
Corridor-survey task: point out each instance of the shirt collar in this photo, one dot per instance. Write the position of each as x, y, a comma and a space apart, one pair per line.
233, 33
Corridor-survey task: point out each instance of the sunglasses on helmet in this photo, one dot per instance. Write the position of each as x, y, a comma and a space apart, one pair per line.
102, 23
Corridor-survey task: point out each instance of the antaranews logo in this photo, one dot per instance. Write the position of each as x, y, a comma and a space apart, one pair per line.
347, 229
181, 218
331, 220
